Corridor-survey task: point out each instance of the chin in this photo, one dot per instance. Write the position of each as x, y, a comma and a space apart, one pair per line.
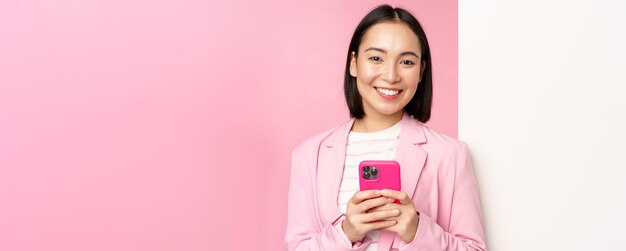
388, 112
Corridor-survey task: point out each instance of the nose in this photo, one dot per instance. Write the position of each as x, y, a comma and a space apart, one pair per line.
390, 73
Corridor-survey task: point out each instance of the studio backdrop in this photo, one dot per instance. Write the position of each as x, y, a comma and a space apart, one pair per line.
169, 125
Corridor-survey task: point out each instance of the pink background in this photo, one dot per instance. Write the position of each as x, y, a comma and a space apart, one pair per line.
168, 125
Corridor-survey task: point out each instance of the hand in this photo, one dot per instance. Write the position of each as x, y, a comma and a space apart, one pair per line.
407, 221
359, 222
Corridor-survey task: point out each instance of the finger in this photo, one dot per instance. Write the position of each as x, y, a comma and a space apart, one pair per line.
372, 203
388, 206
379, 225
360, 196
381, 215
399, 195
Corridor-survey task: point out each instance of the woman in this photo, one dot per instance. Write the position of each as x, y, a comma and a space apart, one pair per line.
388, 89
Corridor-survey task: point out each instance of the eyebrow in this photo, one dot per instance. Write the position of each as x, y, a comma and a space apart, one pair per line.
384, 51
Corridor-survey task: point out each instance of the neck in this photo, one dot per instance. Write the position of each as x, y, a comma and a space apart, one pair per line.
377, 122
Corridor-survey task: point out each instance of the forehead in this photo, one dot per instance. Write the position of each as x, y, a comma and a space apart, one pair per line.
392, 37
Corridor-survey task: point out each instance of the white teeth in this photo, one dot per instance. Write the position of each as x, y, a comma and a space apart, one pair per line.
387, 91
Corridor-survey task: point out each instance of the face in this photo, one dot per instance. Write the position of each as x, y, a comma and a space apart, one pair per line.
387, 67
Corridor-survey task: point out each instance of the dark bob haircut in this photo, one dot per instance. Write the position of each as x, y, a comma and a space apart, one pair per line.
420, 104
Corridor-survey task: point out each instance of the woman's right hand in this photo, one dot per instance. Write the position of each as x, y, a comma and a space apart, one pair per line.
359, 221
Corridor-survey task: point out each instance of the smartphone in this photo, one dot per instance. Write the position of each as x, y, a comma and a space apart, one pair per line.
379, 174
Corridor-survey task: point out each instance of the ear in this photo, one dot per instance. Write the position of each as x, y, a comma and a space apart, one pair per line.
422, 68
353, 64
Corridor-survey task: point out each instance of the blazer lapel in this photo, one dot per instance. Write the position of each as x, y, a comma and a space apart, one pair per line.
411, 158
332, 154
409, 153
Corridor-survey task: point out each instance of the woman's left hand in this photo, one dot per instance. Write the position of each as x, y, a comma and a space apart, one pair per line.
407, 220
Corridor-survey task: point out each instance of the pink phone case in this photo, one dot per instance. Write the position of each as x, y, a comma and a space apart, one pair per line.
388, 175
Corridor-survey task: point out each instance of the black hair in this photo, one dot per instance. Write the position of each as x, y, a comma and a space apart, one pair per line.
420, 105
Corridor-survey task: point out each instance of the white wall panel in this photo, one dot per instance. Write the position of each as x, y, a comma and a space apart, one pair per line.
542, 105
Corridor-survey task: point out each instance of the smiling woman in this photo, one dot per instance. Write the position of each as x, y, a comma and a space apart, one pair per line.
388, 89
389, 66
388, 56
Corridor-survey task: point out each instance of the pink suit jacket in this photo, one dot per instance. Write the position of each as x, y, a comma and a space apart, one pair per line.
436, 172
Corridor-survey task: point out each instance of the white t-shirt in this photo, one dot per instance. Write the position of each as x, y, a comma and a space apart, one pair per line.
380, 145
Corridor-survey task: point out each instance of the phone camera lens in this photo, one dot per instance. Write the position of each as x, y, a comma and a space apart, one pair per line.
366, 175
374, 171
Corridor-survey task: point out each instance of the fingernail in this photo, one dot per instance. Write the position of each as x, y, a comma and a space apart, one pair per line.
389, 200
395, 211
377, 192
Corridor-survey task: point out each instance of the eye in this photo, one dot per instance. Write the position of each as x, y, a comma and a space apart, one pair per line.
375, 58
407, 62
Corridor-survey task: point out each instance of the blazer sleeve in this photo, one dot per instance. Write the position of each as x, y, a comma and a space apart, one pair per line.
466, 219
303, 232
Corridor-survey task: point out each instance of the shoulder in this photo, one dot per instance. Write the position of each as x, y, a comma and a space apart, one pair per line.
310, 146
442, 145
442, 140
447, 156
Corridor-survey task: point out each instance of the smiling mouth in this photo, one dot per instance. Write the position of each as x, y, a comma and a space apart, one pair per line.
388, 92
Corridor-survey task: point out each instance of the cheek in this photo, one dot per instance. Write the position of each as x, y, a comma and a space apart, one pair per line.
366, 74
411, 78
